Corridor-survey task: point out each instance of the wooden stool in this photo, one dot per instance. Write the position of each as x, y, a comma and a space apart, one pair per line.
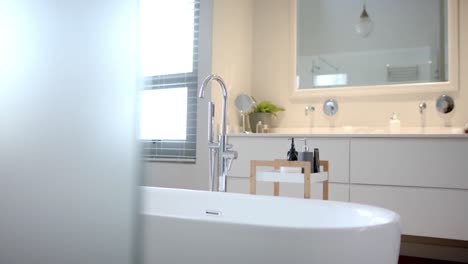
276, 176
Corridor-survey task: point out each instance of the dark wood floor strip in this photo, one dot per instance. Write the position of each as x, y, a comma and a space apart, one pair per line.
413, 260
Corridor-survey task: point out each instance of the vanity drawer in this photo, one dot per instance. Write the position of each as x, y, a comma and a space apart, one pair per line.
335, 150
425, 162
426, 212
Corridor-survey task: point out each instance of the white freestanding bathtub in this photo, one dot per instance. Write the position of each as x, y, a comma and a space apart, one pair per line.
184, 226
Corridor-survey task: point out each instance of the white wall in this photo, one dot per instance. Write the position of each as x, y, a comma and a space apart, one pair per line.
270, 56
232, 52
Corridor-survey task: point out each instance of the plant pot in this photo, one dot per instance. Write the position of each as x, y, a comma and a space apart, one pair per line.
266, 118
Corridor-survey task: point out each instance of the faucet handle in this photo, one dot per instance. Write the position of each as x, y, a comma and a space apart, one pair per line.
213, 145
309, 108
229, 146
230, 155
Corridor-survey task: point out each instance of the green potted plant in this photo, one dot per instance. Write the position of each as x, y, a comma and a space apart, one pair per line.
263, 111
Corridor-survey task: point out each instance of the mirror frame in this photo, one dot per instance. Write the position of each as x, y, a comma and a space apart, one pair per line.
451, 86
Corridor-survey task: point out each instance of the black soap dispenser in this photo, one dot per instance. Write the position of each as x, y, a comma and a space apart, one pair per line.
292, 153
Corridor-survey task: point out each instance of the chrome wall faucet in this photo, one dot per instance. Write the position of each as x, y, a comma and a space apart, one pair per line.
309, 108
422, 107
220, 151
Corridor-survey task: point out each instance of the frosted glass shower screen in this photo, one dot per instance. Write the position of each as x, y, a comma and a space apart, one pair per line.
69, 176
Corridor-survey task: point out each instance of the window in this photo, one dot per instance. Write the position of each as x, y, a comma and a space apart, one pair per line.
168, 108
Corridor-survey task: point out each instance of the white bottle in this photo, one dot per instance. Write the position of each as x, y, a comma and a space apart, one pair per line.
259, 127
394, 124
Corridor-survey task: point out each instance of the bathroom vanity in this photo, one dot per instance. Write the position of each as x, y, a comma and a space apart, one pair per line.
423, 177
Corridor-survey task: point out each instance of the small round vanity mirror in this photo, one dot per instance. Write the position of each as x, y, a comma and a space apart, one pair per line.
245, 105
445, 104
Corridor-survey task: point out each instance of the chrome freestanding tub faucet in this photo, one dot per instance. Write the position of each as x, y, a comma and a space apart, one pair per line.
220, 151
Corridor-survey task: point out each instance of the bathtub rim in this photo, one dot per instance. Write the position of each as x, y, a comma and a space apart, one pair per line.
393, 217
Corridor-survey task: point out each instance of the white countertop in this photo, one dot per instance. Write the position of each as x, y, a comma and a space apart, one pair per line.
348, 131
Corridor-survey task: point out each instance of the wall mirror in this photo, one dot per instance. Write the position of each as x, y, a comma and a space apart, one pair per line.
373, 47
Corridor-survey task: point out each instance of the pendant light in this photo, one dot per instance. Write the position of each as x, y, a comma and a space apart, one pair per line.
365, 25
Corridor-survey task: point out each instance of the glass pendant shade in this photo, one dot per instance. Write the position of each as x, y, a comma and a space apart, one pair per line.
365, 25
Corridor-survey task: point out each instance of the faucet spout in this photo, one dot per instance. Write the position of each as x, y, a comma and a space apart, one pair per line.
224, 156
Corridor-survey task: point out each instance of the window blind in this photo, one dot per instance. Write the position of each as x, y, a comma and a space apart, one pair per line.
180, 149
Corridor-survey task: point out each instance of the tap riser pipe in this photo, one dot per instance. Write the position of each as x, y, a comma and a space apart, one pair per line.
221, 165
